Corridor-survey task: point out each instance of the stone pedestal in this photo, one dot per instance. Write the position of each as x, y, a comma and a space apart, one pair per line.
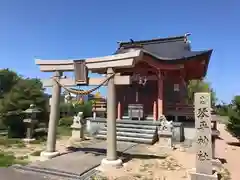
199, 176
165, 139
77, 133
48, 155
108, 164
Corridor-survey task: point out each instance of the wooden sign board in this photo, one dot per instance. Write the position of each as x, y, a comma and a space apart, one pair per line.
81, 72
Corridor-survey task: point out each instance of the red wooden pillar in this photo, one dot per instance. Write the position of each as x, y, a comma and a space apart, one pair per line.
119, 116
154, 111
160, 97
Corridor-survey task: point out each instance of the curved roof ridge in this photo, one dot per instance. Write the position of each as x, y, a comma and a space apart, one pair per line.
154, 40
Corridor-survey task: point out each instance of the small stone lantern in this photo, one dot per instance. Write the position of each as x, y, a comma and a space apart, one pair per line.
30, 121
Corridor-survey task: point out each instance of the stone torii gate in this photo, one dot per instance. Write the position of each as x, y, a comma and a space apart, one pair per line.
107, 65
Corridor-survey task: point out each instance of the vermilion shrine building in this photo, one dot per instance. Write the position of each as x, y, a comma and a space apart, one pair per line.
161, 77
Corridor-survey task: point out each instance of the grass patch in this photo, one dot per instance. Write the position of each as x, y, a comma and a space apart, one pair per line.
7, 159
98, 177
63, 131
38, 141
36, 153
8, 142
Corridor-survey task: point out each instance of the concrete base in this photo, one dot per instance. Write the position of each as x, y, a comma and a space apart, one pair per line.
27, 140
48, 155
199, 176
107, 164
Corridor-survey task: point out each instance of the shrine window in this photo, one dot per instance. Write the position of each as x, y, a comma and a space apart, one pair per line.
176, 87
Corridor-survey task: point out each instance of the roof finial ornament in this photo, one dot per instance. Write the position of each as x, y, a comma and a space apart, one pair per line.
186, 37
187, 34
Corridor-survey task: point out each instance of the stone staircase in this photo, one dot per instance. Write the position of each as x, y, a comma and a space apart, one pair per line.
144, 131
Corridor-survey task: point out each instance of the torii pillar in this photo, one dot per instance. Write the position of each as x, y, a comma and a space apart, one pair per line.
50, 151
111, 160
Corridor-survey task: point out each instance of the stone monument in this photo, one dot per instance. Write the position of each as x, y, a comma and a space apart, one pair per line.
203, 170
165, 134
78, 127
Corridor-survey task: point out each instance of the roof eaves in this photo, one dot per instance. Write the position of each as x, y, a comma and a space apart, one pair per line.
206, 52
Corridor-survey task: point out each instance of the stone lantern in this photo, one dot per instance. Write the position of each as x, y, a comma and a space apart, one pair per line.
30, 121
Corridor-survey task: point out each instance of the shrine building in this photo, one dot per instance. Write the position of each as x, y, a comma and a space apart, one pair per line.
160, 79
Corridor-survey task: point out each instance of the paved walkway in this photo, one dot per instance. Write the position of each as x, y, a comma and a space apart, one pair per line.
75, 163
80, 161
228, 153
11, 174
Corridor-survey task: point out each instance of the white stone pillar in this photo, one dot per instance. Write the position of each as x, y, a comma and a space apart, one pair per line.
111, 159
53, 119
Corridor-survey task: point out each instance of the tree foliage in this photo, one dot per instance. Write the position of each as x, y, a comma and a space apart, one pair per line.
200, 86
8, 79
22, 94
222, 109
17, 94
233, 126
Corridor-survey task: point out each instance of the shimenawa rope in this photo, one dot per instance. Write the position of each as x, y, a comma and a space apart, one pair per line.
81, 92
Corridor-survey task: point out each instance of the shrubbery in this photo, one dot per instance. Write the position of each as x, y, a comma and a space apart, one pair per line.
233, 125
66, 121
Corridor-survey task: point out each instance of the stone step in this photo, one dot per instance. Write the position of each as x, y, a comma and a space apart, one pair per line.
137, 130
147, 118
135, 126
128, 139
129, 134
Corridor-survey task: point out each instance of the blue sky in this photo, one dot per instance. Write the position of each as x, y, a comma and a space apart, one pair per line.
60, 29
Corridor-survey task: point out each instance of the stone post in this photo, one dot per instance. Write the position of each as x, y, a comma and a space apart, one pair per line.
111, 160
53, 120
204, 169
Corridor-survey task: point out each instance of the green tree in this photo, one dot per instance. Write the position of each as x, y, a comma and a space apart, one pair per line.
222, 109
22, 94
233, 125
8, 79
200, 86
17, 95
